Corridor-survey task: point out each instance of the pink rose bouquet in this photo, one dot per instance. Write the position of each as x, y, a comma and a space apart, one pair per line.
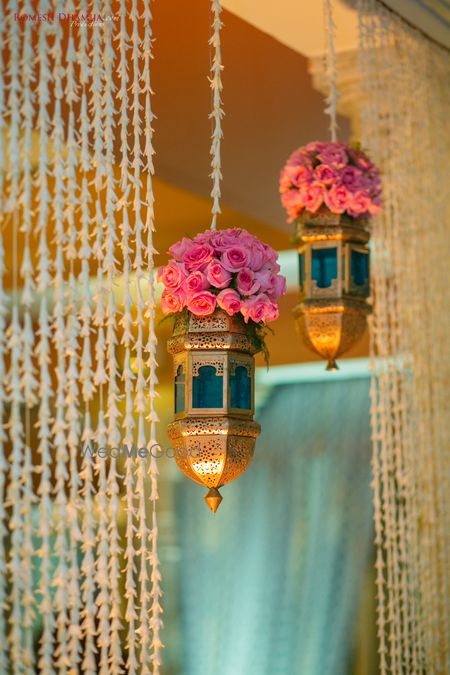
330, 176
228, 269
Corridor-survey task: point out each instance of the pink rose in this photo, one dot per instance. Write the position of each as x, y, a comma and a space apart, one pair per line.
313, 197
359, 204
246, 282
225, 239
271, 257
257, 308
299, 158
272, 313
325, 174
337, 199
217, 275
172, 275
179, 249
202, 304
203, 237
334, 154
257, 251
285, 180
360, 159
229, 301
195, 282
372, 182
375, 206
257, 256
315, 146
277, 285
299, 175
198, 256
235, 258
264, 277
172, 301
352, 178
293, 202
246, 239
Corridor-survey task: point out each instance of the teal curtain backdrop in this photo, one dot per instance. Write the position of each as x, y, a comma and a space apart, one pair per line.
270, 584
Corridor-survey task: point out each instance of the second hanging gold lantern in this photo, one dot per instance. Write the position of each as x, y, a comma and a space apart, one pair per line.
334, 284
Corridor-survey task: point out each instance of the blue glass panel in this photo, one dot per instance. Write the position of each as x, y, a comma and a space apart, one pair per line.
207, 388
359, 266
180, 386
301, 270
240, 389
324, 266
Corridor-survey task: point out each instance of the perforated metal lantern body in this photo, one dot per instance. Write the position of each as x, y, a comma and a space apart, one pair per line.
213, 368
334, 283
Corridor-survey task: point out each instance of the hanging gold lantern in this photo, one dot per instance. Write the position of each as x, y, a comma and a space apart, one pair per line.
334, 283
331, 190
214, 432
222, 287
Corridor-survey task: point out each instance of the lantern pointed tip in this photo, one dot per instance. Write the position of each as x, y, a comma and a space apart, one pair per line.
213, 499
332, 365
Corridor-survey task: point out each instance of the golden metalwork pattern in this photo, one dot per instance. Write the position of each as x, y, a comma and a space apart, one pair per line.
332, 317
213, 451
218, 331
330, 328
213, 446
327, 226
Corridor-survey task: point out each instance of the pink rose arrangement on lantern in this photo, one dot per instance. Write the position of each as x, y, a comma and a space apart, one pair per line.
229, 270
332, 177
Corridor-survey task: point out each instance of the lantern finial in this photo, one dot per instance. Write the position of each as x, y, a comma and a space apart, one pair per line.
213, 499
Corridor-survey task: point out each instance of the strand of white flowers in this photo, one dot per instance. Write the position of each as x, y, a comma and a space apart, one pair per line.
100, 377
28, 378
4, 659
217, 112
46, 646
402, 130
388, 377
13, 497
391, 466
366, 54
72, 351
408, 534
109, 90
140, 398
101, 571
29, 381
14, 336
156, 623
404, 611
88, 523
330, 67
59, 427
126, 323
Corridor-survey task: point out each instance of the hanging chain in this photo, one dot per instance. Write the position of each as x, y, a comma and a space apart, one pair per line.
330, 67
217, 111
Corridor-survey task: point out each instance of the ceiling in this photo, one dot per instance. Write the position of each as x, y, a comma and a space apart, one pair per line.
299, 25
